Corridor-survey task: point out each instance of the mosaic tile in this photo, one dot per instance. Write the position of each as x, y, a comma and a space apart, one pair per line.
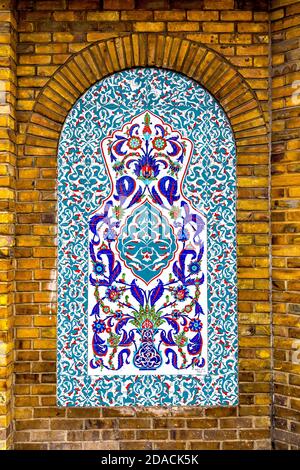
147, 252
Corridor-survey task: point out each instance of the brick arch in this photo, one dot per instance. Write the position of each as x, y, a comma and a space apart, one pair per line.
103, 58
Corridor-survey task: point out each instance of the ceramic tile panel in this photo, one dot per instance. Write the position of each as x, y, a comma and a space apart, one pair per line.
147, 246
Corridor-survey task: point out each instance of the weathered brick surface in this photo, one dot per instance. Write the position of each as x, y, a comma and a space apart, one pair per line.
50, 34
285, 18
89, 42
7, 220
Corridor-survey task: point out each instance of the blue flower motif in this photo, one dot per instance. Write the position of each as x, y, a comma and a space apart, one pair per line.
194, 267
195, 325
98, 326
99, 268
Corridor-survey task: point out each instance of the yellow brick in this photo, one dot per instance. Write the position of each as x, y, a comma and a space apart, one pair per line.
254, 342
63, 37
51, 48
4, 300
294, 192
147, 26
261, 239
28, 263
5, 324
244, 239
7, 16
278, 59
30, 173
252, 182
286, 22
44, 252
236, 39
76, 47
48, 333
28, 196
6, 218
253, 227
213, 27
5, 50
254, 364
6, 241
252, 50
253, 27
5, 74
205, 38
64, 16
35, 59
253, 273
245, 283
25, 70
136, 15
5, 38
60, 58
103, 16
252, 204
236, 15
42, 320
25, 105
218, 4
46, 70
261, 61
6, 193
27, 333
286, 274
283, 180
43, 389
35, 37
175, 15
183, 26
263, 354
44, 344
277, 14
199, 15
96, 36
23, 413
44, 274
262, 262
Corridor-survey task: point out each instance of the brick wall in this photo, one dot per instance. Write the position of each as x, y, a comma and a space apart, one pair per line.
52, 71
7, 200
48, 38
285, 17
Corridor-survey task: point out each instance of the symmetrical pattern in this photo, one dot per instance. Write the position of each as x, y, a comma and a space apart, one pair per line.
177, 207
147, 296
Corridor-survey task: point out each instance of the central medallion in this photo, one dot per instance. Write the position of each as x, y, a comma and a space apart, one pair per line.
146, 243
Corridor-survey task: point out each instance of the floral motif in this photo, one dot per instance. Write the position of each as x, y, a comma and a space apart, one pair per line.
180, 293
209, 185
99, 326
148, 246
